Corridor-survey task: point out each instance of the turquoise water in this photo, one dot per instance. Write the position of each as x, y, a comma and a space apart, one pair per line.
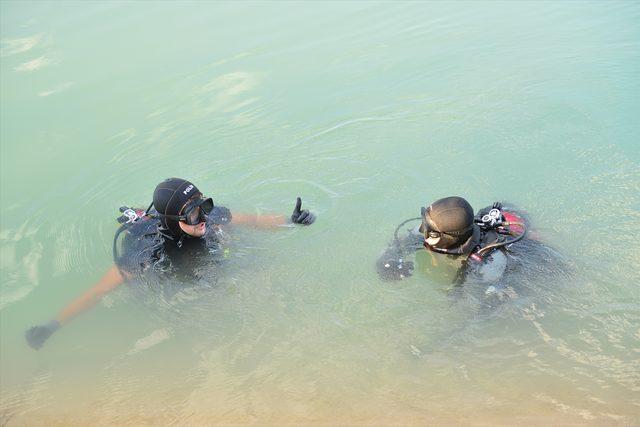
368, 111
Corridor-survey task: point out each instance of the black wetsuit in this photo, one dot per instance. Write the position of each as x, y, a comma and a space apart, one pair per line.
146, 249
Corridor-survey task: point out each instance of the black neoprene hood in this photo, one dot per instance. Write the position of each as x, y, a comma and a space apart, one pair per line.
452, 216
169, 197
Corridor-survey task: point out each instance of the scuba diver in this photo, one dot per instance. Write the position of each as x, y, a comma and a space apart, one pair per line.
178, 230
486, 248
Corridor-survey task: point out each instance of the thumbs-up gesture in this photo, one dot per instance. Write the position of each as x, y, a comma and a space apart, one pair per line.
302, 216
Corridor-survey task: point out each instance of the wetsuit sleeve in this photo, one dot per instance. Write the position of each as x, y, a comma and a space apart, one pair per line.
392, 264
220, 215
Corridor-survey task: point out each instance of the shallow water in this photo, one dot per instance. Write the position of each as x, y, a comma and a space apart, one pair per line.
367, 111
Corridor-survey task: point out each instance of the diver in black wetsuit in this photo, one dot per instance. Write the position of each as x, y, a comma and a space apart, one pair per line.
178, 228
482, 248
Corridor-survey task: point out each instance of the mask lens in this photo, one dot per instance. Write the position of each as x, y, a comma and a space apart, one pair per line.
197, 211
207, 205
428, 231
431, 236
193, 216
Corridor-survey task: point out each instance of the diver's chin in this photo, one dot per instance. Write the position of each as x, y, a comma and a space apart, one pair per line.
200, 229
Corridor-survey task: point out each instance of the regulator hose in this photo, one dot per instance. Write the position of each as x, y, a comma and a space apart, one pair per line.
115, 242
492, 246
395, 233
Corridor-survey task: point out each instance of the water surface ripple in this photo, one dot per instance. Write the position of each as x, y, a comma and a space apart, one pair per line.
367, 110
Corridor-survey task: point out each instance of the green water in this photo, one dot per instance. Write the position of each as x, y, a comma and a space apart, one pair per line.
368, 111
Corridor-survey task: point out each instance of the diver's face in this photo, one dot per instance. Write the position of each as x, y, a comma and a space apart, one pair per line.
195, 223
197, 230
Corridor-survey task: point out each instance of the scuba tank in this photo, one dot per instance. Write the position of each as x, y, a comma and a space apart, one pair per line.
499, 229
129, 217
496, 220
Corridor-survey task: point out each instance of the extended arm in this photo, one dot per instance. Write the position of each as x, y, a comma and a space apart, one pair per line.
299, 216
260, 221
37, 335
111, 280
